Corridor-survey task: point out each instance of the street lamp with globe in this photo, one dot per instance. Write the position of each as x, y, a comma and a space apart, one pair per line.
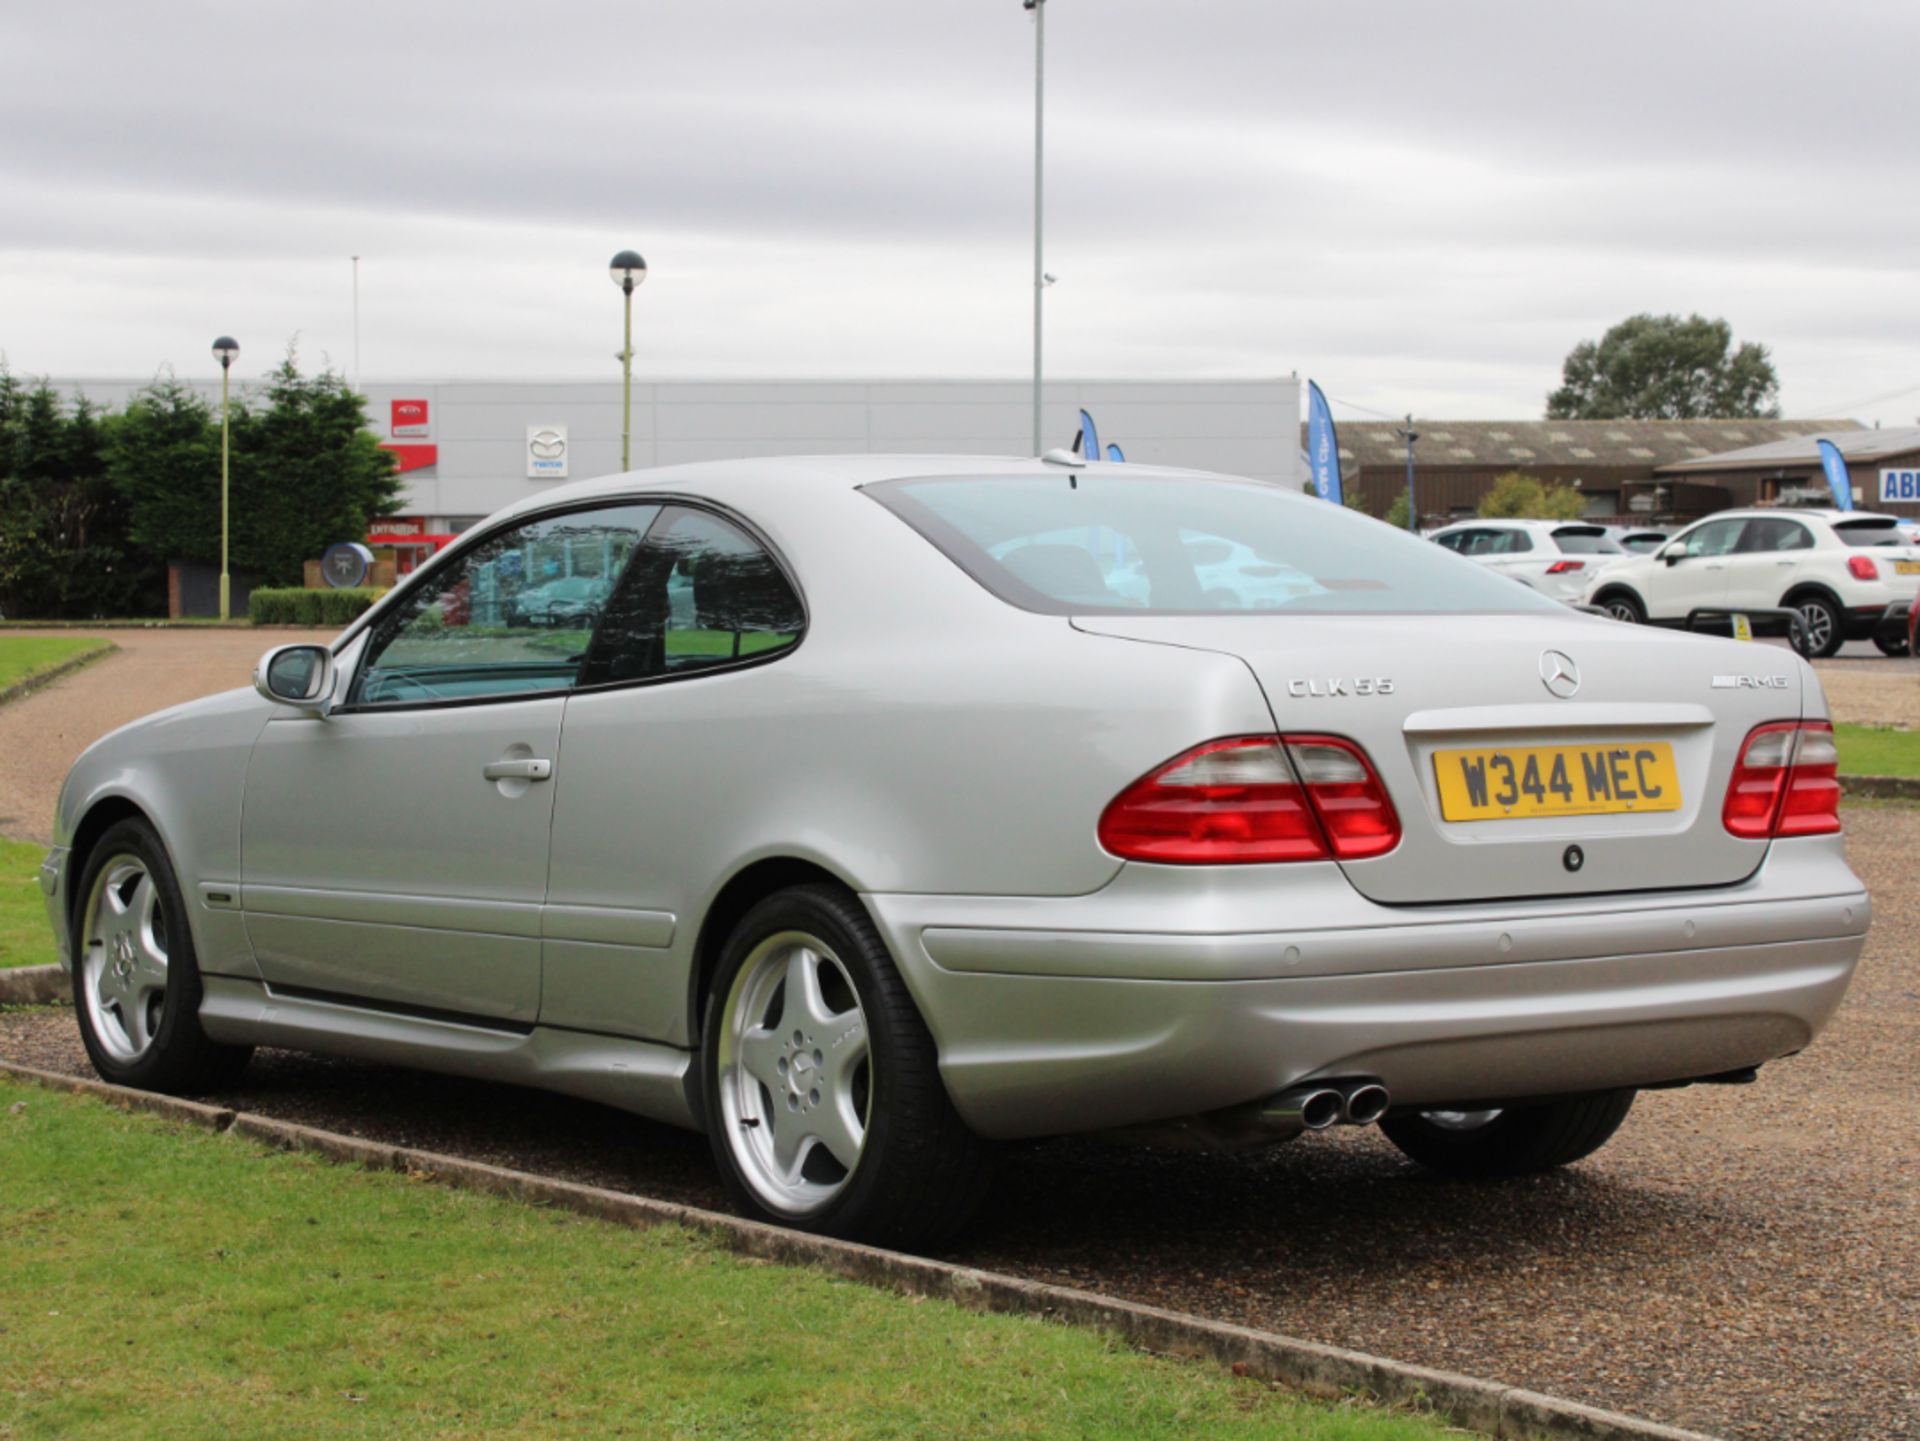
225, 349
628, 271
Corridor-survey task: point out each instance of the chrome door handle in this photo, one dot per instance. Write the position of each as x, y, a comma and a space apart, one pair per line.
518, 770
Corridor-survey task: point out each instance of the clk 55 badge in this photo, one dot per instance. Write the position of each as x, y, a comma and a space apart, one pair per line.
1360, 685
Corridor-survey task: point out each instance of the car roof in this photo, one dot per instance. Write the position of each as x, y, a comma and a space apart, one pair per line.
1516, 523
1797, 512
755, 477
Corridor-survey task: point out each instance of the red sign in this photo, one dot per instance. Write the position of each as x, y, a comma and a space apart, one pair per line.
410, 417
412, 457
392, 525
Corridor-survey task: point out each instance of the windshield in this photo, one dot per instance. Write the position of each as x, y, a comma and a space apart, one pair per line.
1097, 542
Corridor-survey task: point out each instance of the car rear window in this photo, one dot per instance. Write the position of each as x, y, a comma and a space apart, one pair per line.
1879, 531
1584, 540
1111, 542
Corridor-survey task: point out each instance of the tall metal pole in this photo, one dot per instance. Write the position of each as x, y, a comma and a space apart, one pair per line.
1039, 9
1413, 509
356, 322
626, 386
226, 585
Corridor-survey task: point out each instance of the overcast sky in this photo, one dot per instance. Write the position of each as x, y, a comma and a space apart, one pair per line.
1422, 205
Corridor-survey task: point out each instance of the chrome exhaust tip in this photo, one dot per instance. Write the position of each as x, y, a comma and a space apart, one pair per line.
1311, 1108
1363, 1102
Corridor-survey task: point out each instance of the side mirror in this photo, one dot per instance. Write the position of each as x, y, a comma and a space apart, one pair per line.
1674, 551
301, 676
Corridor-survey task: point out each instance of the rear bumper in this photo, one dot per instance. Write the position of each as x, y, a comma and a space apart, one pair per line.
1173, 993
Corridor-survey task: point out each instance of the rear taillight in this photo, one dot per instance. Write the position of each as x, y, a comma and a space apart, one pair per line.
1785, 782
1863, 567
1248, 799
1561, 567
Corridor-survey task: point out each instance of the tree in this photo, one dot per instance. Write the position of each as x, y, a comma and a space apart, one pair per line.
305, 473
1519, 496
1660, 367
1396, 515
65, 546
310, 472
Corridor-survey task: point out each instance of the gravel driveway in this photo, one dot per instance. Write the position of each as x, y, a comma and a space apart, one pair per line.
42, 735
1741, 1260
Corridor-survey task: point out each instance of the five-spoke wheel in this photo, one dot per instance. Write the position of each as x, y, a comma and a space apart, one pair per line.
796, 1074
136, 978
821, 1084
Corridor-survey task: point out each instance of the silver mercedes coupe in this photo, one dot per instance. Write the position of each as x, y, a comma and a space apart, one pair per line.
862, 812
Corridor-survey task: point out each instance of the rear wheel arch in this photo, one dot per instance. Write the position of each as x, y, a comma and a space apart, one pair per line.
744, 890
1815, 591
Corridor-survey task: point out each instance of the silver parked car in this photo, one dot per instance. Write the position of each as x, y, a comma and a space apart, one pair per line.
891, 806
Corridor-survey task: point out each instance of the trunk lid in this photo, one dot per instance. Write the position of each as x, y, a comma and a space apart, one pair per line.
1445, 704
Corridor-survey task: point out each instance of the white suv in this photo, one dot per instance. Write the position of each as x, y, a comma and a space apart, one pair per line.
1844, 571
1556, 557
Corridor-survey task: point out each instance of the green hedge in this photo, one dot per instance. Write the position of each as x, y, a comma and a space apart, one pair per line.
298, 606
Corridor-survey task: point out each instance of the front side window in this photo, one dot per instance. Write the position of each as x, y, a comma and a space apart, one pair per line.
1716, 537
513, 615
1132, 544
701, 593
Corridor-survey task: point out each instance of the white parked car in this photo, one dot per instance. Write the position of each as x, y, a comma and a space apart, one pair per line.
1555, 557
1846, 572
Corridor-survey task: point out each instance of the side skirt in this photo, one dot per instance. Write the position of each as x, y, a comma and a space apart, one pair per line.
646, 1079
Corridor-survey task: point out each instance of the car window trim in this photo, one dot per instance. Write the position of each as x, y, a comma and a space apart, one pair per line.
482, 533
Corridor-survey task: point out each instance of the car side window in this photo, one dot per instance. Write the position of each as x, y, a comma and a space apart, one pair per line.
1454, 540
1768, 534
701, 593
1504, 542
512, 615
1716, 537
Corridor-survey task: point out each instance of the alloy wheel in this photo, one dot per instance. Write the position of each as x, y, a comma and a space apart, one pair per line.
1818, 621
124, 958
795, 1073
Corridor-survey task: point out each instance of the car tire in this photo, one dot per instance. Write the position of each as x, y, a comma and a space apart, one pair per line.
821, 1082
1510, 1140
1823, 626
1891, 645
1622, 606
136, 977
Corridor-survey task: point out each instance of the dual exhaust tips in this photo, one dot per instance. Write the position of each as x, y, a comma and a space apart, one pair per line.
1320, 1104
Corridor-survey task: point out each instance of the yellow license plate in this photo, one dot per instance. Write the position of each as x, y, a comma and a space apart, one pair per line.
1505, 783
1906, 567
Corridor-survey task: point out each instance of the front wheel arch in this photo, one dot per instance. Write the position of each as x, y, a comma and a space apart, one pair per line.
104, 814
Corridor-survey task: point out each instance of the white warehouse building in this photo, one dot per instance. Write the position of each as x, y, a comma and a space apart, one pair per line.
466, 448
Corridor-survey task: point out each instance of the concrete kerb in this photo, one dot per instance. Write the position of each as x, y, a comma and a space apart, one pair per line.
34, 985
1486, 1407
53, 673
1893, 788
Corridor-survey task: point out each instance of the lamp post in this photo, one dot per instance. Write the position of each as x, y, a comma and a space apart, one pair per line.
1040, 278
1410, 435
627, 270
224, 350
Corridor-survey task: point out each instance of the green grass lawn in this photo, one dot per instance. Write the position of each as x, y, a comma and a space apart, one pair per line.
22, 657
25, 938
1877, 751
167, 1282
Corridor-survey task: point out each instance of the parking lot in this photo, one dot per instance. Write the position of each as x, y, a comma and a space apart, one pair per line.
1744, 1260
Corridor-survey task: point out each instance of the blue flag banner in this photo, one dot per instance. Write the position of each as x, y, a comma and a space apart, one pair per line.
1114, 452
1323, 446
1837, 479
1089, 437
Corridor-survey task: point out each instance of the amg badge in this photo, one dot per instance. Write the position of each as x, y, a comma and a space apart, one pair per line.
1750, 682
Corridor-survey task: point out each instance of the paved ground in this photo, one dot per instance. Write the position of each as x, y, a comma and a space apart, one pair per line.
1744, 1261
41, 735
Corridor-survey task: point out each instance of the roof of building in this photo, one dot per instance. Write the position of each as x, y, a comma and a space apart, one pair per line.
1525, 444
1853, 443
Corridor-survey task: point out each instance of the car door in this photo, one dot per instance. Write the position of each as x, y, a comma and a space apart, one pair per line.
1768, 560
394, 851
649, 816
1678, 585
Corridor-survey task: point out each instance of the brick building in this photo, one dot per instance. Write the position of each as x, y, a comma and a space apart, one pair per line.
1880, 463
